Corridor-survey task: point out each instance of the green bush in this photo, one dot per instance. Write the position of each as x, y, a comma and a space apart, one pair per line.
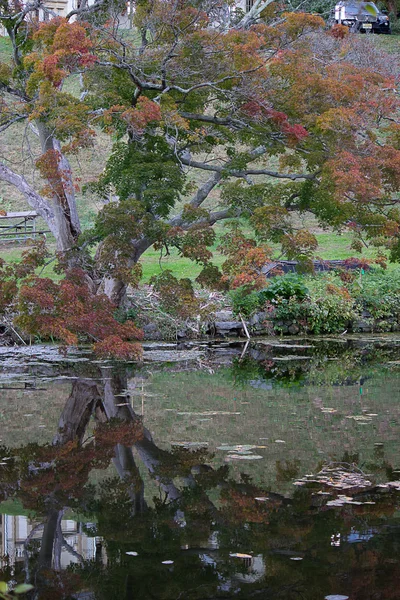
327, 309
378, 292
285, 286
331, 313
244, 301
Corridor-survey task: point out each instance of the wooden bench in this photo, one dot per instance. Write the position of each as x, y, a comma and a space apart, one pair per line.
19, 226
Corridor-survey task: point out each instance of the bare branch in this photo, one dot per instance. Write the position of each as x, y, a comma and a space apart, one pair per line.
11, 122
243, 173
37, 202
253, 14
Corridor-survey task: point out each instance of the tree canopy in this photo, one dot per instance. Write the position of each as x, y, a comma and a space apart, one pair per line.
253, 120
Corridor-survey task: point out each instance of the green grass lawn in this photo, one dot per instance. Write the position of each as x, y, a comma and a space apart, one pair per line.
5, 49
331, 246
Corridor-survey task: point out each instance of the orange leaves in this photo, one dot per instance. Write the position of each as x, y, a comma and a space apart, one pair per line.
145, 112
127, 433
296, 24
69, 311
245, 260
63, 47
339, 31
367, 177
114, 347
72, 38
136, 118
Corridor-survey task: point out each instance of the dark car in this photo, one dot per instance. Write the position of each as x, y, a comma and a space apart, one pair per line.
363, 17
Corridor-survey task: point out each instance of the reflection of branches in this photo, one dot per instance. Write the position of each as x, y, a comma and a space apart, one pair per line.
70, 549
25, 549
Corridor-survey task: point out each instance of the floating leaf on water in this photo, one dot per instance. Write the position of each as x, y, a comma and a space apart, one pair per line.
243, 457
240, 555
237, 448
132, 553
208, 413
167, 562
190, 444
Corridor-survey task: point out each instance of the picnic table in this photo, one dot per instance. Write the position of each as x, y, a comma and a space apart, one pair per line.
19, 226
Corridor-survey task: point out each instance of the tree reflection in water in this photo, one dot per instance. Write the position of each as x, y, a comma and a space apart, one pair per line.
227, 538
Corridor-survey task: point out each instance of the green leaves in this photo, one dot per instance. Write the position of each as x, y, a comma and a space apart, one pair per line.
147, 171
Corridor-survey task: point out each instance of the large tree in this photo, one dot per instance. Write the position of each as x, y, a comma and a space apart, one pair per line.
270, 111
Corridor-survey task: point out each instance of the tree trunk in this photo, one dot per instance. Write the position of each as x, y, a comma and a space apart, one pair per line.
63, 197
113, 287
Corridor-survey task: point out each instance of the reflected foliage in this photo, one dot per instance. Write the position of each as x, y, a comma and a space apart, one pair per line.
222, 534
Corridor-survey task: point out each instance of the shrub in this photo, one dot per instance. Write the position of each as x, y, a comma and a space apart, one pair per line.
331, 313
244, 301
328, 307
176, 295
286, 286
378, 291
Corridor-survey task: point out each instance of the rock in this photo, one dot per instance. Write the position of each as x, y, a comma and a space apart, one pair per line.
182, 333
227, 325
151, 332
293, 329
224, 315
150, 327
362, 326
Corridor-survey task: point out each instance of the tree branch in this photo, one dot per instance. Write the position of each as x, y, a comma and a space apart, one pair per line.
229, 121
253, 14
244, 172
11, 122
37, 202
203, 191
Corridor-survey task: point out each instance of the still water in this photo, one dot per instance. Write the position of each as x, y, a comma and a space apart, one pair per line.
267, 470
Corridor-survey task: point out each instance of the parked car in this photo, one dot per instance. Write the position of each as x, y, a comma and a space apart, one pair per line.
363, 17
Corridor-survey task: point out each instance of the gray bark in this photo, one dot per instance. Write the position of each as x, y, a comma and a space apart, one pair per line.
64, 205
254, 14
35, 200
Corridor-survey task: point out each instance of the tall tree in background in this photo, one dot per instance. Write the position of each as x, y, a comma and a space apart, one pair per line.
278, 115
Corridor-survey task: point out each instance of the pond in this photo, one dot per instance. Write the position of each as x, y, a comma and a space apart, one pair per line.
213, 470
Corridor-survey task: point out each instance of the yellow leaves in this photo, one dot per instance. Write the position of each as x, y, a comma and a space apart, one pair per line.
5, 73
340, 120
61, 48
170, 113
295, 24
